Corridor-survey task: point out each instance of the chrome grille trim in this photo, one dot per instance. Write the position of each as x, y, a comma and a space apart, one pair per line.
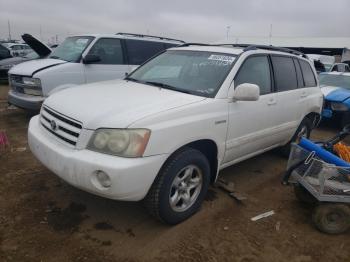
64, 128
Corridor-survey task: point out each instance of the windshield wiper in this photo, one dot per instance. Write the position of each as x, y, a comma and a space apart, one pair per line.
55, 57
132, 79
165, 86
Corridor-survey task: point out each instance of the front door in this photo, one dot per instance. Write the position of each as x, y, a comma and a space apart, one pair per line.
252, 122
112, 62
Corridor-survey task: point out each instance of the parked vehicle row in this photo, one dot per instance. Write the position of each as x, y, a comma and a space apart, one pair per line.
163, 133
78, 60
40, 50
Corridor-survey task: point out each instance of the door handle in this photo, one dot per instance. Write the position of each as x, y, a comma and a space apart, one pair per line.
272, 101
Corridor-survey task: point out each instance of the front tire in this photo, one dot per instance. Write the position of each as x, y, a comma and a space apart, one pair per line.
180, 187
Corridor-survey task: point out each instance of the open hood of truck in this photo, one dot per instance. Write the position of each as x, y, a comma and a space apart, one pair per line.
39, 47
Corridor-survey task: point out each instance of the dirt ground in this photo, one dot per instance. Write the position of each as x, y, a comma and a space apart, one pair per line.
44, 219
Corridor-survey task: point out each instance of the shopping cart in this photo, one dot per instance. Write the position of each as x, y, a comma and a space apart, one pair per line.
321, 178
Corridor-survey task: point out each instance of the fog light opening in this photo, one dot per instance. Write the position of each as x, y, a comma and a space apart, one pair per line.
103, 179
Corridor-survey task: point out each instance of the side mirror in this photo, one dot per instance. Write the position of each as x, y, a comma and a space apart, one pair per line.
246, 92
90, 59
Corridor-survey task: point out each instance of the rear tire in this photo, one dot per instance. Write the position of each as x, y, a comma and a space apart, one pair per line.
304, 130
180, 187
332, 218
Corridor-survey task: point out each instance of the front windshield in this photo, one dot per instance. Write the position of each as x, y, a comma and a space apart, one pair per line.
335, 80
195, 72
71, 48
32, 55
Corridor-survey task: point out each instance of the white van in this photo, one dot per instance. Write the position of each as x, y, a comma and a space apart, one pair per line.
163, 133
79, 60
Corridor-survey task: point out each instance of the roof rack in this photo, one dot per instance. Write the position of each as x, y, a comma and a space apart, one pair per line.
150, 36
249, 47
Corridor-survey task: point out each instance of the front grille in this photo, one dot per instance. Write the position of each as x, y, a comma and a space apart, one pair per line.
64, 128
17, 85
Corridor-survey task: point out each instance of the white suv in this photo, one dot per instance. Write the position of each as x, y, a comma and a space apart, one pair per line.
163, 133
79, 60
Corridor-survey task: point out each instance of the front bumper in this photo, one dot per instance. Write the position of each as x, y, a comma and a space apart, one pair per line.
131, 178
25, 101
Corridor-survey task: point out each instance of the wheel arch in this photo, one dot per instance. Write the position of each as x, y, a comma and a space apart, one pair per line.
314, 117
208, 148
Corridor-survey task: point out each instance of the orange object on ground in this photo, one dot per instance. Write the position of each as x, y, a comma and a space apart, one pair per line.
343, 151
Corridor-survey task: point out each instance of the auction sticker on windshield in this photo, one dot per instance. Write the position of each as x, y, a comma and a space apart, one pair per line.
223, 58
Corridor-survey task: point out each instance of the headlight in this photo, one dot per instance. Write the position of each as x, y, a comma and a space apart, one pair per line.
120, 142
339, 107
31, 81
6, 66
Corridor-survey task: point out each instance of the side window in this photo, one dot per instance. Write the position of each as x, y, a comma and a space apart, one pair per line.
109, 50
299, 74
284, 72
308, 74
139, 51
255, 70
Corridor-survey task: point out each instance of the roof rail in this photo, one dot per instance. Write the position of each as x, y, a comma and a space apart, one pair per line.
150, 36
274, 48
249, 47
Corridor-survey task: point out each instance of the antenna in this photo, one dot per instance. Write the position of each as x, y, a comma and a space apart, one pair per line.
270, 35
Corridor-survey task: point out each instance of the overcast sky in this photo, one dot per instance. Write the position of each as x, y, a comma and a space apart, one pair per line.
199, 20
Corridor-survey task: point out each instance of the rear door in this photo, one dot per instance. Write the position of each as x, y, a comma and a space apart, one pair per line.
290, 96
112, 64
139, 51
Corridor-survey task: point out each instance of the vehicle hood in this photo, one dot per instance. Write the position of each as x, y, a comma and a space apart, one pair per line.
39, 47
335, 94
12, 60
116, 103
29, 68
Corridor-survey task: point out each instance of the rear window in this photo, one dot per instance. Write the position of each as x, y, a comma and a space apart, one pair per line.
308, 74
284, 72
140, 51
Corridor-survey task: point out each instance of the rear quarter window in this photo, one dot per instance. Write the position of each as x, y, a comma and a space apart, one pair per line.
308, 74
284, 73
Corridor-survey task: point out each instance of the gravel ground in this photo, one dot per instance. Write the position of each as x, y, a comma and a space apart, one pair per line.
44, 219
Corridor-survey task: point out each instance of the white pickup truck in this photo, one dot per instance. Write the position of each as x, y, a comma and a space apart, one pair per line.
163, 133
81, 59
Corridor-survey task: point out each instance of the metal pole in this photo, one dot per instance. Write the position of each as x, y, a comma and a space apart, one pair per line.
227, 31
9, 28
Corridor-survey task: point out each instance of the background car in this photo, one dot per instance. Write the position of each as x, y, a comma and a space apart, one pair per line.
4, 52
335, 87
39, 50
18, 49
339, 67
